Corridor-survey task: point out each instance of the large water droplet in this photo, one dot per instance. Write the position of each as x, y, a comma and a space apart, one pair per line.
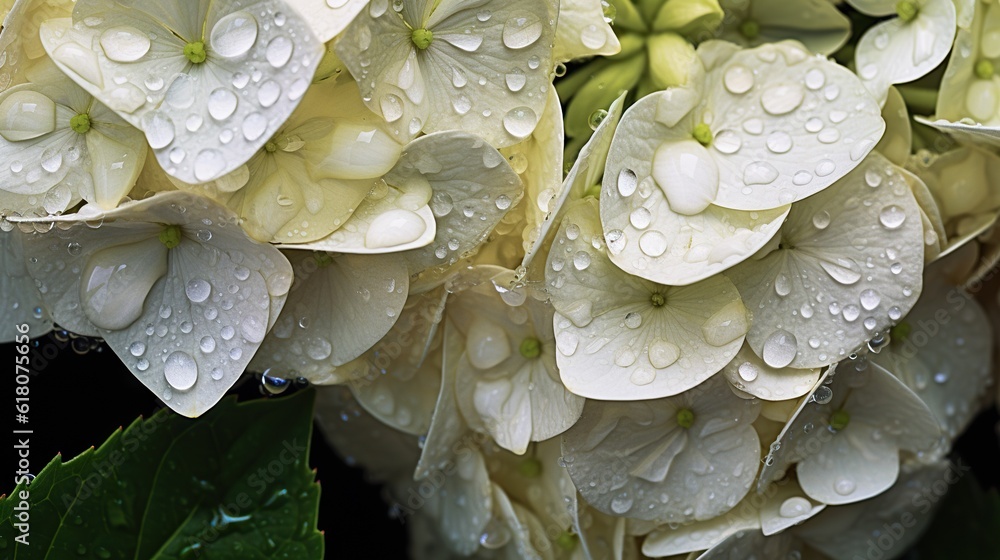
233, 35
781, 99
487, 344
159, 129
520, 121
222, 103
653, 243
738, 79
180, 370
780, 349
124, 44
197, 290
394, 227
759, 173
747, 371
794, 507
279, 51
522, 30
844, 486
687, 174
892, 216
663, 353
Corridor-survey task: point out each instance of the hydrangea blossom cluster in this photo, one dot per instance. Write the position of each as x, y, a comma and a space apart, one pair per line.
710, 294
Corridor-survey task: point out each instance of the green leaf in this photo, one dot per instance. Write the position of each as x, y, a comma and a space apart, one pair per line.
966, 526
234, 483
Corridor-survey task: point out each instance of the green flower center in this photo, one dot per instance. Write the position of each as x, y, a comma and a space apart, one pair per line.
750, 29
658, 299
422, 38
271, 147
530, 468
195, 52
531, 347
685, 418
703, 134
900, 331
322, 259
907, 10
839, 420
567, 541
984, 69
171, 236
80, 123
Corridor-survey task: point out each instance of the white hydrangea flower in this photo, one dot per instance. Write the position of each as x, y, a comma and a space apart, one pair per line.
679, 459
943, 351
906, 47
338, 308
584, 30
20, 302
59, 145
699, 177
207, 82
817, 24
507, 383
620, 337
431, 66
846, 265
845, 439
174, 286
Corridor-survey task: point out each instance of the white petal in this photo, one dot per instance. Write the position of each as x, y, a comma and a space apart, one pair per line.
635, 453
753, 544
203, 120
816, 23
849, 265
334, 313
785, 505
795, 124
20, 302
327, 18
583, 31
854, 466
701, 535
612, 341
894, 51
464, 502
19, 43
896, 142
749, 373
406, 404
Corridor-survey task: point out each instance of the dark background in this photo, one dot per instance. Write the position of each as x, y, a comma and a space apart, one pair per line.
77, 400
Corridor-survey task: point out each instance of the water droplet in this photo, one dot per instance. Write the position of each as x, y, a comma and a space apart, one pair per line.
738, 79
487, 344
759, 173
207, 344
782, 285
515, 80
394, 227
640, 218
279, 51
159, 129
180, 370
821, 219
844, 486
642, 376
825, 167
727, 142
233, 35
520, 121
840, 273
222, 103
653, 243
780, 349
137, 349
124, 44
254, 126
209, 164
779, 142
822, 395
198, 290
663, 353
522, 30
870, 299
815, 79
627, 182
781, 99
892, 216
688, 176
748, 372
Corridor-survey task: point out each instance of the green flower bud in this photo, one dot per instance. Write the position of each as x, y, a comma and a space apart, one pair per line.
530, 468
839, 420
195, 52
422, 38
693, 18
531, 348
171, 236
80, 123
907, 10
703, 134
670, 59
984, 69
685, 418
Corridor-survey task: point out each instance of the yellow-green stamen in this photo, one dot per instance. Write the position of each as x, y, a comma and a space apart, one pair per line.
750, 29
531, 347
658, 299
567, 541
703, 134
907, 10
322, 259
80, 123
171, 236
984, 69
839, 420
685, 418
195, 52
422, 38
530, 468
